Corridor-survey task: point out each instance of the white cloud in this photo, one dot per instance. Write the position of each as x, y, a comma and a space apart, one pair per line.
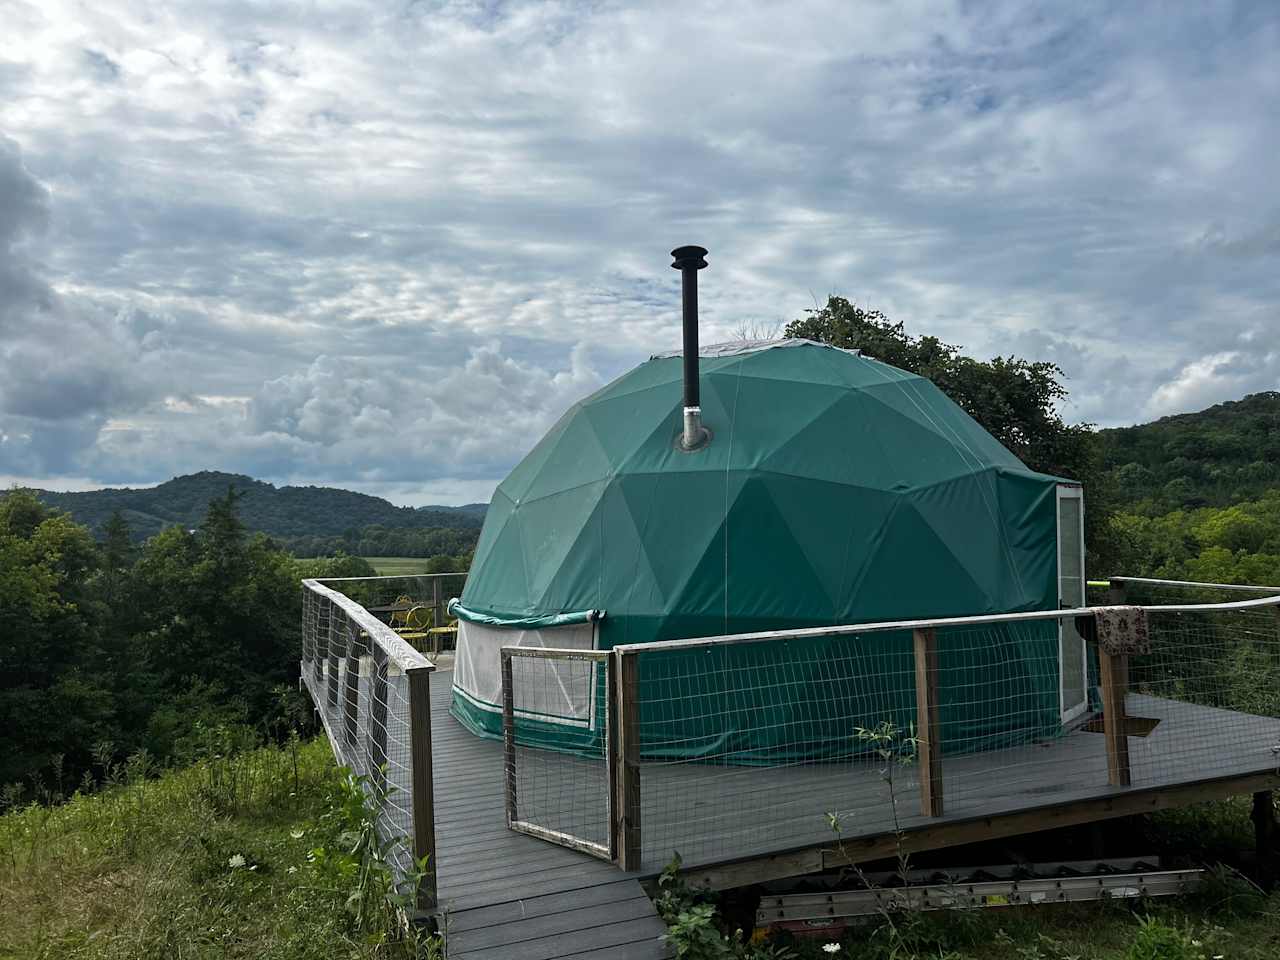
1209, 379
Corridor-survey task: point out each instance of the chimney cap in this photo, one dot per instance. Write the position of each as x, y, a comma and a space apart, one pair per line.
688, 258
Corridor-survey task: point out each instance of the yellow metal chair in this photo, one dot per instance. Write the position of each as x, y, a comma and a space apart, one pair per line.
416, 625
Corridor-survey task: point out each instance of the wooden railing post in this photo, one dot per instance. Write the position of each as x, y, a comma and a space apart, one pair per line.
509, 737
611, 739
928, 722
1113, 678
332, 693
324, 614
377, 733
1113, 685
351, 699
626, 805
306, 629
423, 782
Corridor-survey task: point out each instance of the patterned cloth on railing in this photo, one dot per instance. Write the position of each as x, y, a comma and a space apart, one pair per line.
1122, 630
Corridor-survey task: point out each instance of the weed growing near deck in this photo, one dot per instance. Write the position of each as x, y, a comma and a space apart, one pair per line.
261, 854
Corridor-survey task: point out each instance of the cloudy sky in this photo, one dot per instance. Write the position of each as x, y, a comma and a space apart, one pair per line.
382, 245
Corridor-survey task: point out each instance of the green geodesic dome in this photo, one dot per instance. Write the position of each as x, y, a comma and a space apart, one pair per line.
836, 489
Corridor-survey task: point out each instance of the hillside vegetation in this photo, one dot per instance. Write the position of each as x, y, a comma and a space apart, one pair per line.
1199, 494
261, 855
1226, 454
312, 521
110, 649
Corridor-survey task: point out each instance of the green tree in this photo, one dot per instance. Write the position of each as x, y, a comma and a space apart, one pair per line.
1015, 400
220, 623
54, 699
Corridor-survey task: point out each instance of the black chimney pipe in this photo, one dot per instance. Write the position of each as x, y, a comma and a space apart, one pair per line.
689, 260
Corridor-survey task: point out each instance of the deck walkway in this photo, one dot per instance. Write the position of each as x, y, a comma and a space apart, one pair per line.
507, 896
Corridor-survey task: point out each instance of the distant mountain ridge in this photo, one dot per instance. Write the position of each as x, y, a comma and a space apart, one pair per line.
285, 512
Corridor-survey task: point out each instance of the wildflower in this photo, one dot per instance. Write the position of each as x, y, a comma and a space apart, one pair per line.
237, 860
297, 834
831, 948
292, 870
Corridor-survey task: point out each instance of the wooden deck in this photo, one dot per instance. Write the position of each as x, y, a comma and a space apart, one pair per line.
505, 894
712, 815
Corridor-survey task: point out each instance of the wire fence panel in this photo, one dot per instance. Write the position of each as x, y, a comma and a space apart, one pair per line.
732, 747
746, 748
759, 743
1008, 713
558, 757
356, 670
1213, 679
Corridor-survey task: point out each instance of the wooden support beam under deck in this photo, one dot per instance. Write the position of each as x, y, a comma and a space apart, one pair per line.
803, 860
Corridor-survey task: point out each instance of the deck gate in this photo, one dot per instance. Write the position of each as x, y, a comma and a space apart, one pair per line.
562, 795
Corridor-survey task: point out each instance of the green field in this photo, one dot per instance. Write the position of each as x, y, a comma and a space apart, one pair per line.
398, 566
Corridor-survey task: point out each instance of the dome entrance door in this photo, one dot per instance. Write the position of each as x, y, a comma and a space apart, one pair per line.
1072, 661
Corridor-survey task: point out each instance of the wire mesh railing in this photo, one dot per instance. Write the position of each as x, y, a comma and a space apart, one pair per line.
371, 690
415, 605
558, 763
729, 747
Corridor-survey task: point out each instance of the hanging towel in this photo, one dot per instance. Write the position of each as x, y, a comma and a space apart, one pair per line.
1122, 630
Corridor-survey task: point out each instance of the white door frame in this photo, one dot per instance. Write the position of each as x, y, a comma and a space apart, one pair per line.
1069, 492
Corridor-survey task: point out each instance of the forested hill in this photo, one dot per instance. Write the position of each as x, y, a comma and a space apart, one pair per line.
284, 512
1223, 455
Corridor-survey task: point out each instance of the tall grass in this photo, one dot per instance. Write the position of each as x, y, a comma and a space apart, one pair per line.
241, 854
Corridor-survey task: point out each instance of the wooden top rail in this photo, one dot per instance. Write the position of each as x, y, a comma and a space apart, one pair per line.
400, 652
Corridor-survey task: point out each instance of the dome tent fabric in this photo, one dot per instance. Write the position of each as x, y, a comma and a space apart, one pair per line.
836, 489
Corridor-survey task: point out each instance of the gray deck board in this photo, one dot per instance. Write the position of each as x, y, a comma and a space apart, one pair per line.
598, 934
505, 894
553, 924
568, 900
